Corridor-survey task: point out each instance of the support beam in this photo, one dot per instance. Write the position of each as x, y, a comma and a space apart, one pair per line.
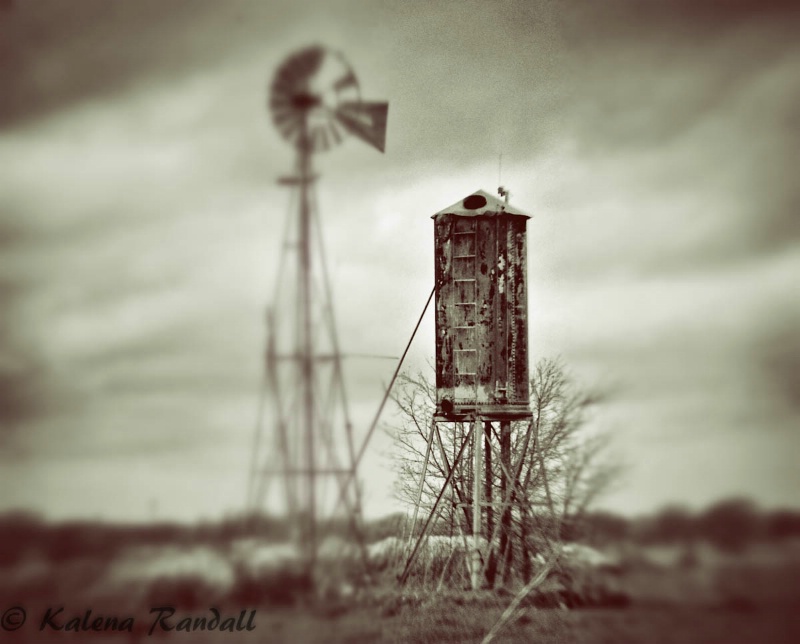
307, 351
477, 485
422, 476
488, 484
506, 541
434, 513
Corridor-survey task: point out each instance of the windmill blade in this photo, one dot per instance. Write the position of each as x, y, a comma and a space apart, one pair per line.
348, 80
334, 130
300, 67
365, 120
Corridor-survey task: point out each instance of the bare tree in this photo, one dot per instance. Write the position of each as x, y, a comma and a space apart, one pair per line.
558, 469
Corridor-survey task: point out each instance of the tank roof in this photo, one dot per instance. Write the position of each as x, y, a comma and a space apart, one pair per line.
478, 203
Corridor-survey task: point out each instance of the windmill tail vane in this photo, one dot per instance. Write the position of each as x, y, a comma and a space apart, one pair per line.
367, 121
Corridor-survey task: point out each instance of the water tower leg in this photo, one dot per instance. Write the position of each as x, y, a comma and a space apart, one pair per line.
422, 476
488, 481
505, 553
477, 468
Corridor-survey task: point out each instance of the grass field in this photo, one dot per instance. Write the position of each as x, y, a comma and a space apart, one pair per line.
642, 594
467, 624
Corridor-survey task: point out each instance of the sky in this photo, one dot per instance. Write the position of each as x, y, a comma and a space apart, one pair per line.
654, 144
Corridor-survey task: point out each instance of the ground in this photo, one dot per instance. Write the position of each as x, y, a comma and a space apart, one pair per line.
445, 622
653, 594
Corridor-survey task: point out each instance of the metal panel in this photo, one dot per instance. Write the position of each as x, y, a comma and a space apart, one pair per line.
444, 348
485, 288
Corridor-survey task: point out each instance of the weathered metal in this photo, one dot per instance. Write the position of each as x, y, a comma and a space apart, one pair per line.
481, 310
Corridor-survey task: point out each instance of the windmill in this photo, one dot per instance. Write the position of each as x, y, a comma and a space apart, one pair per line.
315, 102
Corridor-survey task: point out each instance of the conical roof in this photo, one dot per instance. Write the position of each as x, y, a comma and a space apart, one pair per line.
480, 202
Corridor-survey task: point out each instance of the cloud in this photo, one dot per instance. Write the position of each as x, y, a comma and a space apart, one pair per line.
25, 382
141, 222
680, 19
56, 55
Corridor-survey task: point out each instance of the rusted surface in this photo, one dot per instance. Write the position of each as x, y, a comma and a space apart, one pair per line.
481, 314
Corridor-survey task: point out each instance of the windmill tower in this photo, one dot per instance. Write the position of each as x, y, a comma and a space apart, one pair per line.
315, 101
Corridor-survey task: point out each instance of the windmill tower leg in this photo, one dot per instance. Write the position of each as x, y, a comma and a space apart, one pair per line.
307, 350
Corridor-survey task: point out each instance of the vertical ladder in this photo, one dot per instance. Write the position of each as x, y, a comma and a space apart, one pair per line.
465, 305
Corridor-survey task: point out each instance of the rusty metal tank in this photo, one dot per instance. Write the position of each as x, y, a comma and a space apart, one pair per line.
481, 310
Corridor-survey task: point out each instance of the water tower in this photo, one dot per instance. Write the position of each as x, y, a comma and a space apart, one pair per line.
481, 371
481, 310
